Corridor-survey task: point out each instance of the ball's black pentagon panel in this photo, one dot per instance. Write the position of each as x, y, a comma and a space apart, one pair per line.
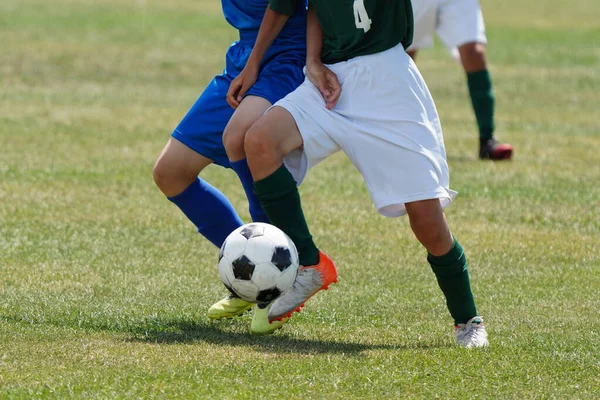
268, 295
252, 230
243, 268
282, 258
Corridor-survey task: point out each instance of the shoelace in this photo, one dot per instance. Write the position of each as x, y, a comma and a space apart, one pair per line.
302, 272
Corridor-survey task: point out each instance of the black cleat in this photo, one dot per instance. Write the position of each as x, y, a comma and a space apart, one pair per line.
492, 150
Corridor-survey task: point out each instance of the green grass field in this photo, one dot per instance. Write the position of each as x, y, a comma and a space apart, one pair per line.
104, 285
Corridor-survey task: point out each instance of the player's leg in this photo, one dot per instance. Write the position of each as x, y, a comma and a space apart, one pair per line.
449, 264
267, 142
408, 180
176, 174
281, 75
481, 92
249, 111
412, 54
196, 143
410, 175
272, 138
461, 26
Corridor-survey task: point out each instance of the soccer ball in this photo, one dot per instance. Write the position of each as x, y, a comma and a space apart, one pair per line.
258, 262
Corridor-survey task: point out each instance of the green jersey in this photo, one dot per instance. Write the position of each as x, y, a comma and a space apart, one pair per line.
354, 28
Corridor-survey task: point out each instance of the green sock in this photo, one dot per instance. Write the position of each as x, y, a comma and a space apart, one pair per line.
279, 198
482, 99
452, 275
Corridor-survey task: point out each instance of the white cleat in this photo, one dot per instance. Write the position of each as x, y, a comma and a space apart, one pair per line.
472, 334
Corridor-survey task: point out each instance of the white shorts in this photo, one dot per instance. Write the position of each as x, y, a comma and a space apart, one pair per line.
456, 22
386, 123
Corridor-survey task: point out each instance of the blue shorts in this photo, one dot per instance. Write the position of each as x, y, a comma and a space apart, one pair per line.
202, 127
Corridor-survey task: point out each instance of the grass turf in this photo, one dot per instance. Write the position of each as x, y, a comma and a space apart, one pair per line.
104, 285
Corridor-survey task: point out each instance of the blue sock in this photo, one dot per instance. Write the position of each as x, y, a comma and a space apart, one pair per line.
209, 210
243, 172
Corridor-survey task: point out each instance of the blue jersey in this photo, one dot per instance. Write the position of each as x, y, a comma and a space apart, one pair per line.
246, 16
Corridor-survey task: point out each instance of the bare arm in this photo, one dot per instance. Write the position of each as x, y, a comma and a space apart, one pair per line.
314, 37
272, 23
321, 76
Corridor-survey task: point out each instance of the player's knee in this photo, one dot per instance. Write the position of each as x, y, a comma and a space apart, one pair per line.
259, 143
170, 178
477, 52
161, 173
427, 221
473, 56
233, 141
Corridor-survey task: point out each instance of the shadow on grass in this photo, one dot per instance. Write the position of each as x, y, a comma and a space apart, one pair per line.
223, 333
188, 332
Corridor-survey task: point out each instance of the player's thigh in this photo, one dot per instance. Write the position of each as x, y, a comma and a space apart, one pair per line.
176, 158
280, 75
425, 20
249, 111
460, 21
202, 127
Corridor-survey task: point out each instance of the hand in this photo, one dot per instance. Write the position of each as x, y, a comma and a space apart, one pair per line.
326, 81
241, 84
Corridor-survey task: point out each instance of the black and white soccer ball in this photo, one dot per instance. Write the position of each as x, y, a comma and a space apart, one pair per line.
258, 262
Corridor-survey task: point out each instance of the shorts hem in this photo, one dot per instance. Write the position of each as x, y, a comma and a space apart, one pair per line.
297, 161
446, 196
180, 137
461, 42
271, 99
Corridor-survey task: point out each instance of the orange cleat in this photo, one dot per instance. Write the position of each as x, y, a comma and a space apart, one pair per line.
308, 282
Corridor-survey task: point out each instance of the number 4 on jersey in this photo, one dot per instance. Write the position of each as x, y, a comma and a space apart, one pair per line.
361, 18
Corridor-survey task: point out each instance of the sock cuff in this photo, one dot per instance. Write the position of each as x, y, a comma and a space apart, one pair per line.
479, 80
187, 192
455, 253
279, 181
235, 165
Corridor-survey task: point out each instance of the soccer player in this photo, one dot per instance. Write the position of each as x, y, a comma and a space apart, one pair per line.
198, 139
459, 24
363, 95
